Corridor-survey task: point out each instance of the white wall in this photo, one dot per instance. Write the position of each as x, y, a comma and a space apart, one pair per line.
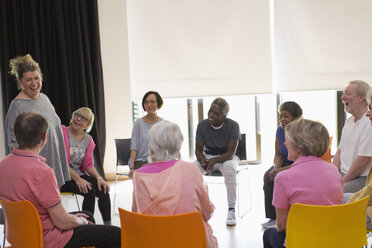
115, 63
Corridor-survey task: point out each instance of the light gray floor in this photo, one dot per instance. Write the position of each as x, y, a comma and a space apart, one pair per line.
247, 233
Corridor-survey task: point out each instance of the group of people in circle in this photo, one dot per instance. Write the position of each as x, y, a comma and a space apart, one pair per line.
48, 158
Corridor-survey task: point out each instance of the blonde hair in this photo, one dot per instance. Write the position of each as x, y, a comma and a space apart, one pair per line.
90, 117
311, 137
20, 65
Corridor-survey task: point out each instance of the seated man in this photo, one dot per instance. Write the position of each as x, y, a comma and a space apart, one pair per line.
33, 180
367, 190
216, 141
353, 157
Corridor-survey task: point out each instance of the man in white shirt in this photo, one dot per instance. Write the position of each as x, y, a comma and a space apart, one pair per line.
353, 157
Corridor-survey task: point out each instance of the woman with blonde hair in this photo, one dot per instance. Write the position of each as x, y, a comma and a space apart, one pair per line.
85, 179
29, 82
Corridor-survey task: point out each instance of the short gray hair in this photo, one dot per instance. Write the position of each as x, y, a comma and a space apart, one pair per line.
361, 87
369, 96
310, 136
165, 141
223, 104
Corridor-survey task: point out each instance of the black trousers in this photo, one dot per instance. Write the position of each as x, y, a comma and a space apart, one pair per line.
268, 188
273, 239
100, 236
89, 201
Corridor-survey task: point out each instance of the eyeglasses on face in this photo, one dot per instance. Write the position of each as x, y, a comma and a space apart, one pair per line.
83, 118
150, 102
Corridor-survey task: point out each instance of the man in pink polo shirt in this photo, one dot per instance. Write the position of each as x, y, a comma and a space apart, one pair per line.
24, 175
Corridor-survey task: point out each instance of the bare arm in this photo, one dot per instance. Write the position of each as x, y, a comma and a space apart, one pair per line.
336, 159
278, 158
278, 161
228, 155
199, 153
281, 219
63, 220
133, 155
357, 168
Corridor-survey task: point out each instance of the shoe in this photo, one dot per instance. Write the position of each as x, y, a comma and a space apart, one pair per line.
231, 220
269, 224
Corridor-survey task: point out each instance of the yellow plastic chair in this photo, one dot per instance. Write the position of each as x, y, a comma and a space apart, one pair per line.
22, 224
181, 231
327, 226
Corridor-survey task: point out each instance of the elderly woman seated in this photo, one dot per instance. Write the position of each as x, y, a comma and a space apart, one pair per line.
176, 186
310, 180
33, 180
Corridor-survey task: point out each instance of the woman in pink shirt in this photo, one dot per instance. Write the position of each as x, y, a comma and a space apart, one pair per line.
310, 180
170, 186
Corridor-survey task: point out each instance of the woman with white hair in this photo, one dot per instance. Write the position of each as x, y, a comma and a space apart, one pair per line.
174, 185
310, 180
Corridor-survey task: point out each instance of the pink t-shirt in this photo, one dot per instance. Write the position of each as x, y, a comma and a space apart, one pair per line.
25, 176
310, 180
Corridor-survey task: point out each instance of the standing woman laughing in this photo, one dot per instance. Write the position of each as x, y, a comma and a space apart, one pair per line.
29, 99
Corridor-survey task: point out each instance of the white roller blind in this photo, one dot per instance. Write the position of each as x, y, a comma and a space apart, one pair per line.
187, 48
322, 44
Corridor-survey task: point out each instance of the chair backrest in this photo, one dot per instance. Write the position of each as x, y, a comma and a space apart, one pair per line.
182, 231
22, 224
122, 151
327, 226
241, 150
327, 156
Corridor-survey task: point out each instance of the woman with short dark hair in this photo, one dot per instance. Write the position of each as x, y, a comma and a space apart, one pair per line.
288, 112
151, 103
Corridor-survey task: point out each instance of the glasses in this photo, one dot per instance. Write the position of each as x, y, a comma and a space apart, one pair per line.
83, 118
150, 102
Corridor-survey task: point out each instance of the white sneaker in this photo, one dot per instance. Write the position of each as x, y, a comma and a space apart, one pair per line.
231, 220
268, 224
